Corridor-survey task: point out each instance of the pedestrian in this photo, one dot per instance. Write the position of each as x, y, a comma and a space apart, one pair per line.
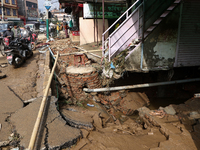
117, 25
8, 33
57, 28
16, 31
66, 30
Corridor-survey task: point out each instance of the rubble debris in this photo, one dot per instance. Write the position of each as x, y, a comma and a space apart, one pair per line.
168, 109
194, 115
77, 119
158, 113
97, 120
4, 143
129, 104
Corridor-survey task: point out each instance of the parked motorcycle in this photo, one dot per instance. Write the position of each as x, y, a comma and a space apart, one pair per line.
33, 40
18, 50
2, 46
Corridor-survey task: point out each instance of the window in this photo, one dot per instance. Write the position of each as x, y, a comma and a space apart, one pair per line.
30, 4
14, 12
13, 2
8, 11
7, 1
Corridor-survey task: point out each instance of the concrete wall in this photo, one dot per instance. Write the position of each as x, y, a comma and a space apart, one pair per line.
159, 47
87, 30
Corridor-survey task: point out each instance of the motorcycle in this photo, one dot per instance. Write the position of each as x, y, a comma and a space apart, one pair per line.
33, 40
18, 50
2, 46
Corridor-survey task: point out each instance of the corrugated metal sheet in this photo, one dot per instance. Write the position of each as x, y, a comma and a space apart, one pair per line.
188, 52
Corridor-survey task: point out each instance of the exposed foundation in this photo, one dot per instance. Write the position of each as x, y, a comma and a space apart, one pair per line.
76, 78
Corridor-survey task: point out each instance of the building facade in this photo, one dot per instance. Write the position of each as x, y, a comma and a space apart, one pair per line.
10, 9
28, 10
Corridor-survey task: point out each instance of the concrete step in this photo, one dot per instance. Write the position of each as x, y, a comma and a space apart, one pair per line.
165, 13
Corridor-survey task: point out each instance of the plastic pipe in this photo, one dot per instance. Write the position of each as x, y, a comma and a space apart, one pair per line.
139, 85
40, 113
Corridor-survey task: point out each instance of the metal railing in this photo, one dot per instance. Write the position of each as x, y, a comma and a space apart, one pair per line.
130, 28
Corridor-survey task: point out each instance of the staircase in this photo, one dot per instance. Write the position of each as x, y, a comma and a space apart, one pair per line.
145, 16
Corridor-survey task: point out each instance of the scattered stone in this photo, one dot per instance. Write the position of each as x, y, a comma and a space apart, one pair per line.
194, 115
169, 110
78, 120
96, 99
97, 120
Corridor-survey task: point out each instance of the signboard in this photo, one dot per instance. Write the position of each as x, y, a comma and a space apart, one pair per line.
111, 11
47, 5
75, 33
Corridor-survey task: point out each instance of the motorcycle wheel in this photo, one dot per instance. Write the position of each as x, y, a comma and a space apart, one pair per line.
2, 49
15, 64
33, 47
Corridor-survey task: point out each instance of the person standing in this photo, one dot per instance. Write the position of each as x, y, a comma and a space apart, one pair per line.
15, 30
57, 28
66, 30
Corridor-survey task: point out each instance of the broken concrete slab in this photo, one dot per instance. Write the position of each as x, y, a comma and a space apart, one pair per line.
6, 127
57, 134
97, 120
9, 103
77, 119
24, 121
60, 135
8, 99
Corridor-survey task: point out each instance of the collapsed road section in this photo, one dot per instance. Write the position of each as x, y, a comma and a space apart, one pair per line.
78, 120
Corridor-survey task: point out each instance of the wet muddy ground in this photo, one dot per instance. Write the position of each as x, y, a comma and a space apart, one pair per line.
121, 132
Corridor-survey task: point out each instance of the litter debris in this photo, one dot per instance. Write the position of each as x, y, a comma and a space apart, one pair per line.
91, 105
159, 113
3, 65
197, 95
112, 66
16, 148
